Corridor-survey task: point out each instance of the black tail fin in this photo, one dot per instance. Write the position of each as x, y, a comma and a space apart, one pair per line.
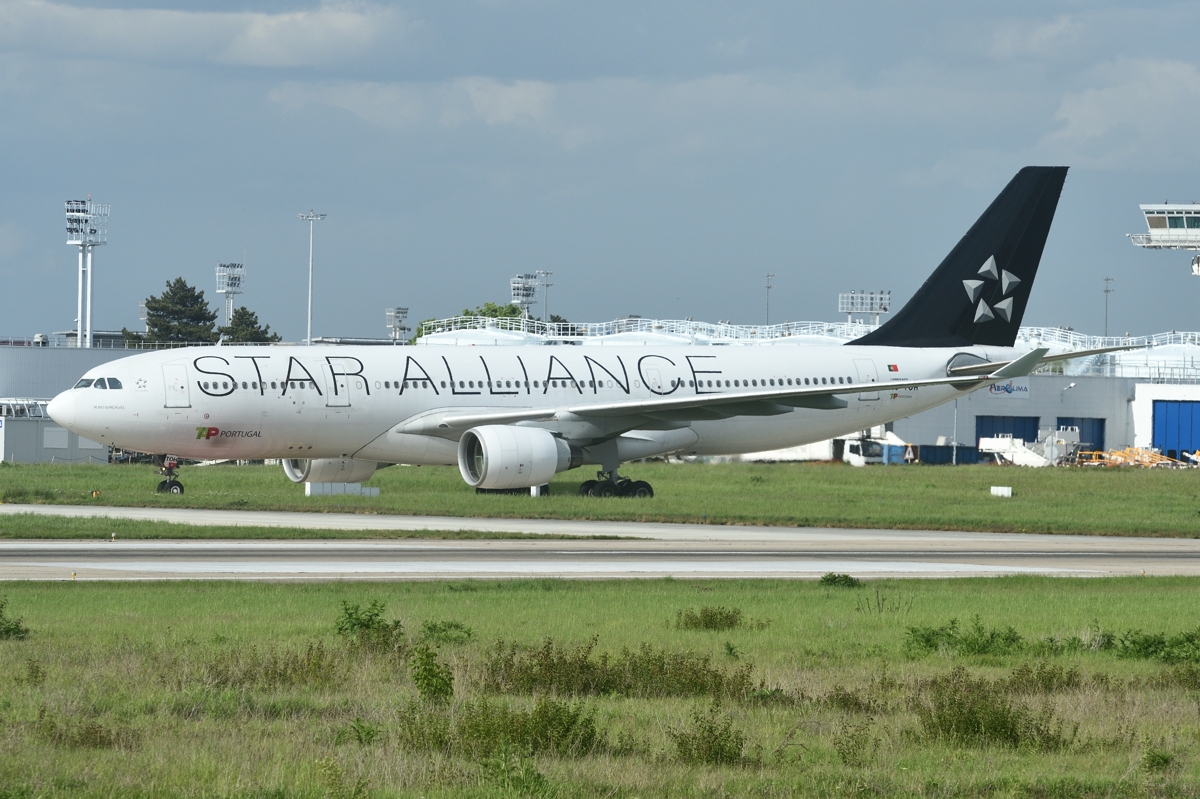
978, 293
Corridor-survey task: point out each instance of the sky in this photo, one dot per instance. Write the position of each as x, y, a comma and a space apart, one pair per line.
660, 158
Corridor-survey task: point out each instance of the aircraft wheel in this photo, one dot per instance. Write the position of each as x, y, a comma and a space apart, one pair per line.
162, 487
640, 490
585, 488
174, 487
605, 489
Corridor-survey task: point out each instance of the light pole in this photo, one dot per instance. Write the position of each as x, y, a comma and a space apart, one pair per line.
769, 287
310, 217
543, 277
1107, 291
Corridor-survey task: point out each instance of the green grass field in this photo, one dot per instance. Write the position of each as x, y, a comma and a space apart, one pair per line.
1079, 501
247, 690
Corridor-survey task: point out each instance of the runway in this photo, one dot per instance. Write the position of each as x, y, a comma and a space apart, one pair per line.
645, 550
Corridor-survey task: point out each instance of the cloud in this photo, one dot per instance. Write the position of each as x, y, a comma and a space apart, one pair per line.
1143, 106
331, 33
1023, 38
680, 117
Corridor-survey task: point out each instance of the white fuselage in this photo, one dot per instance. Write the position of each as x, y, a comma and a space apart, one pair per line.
246, 402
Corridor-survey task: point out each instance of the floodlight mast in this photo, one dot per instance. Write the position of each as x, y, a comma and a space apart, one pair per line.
524, 290
394, 318
87, 228
231, 281
865, 302
310, 217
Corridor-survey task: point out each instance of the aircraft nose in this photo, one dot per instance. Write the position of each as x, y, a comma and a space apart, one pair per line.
62, 408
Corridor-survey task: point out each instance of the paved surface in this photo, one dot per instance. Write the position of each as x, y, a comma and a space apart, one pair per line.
649, 550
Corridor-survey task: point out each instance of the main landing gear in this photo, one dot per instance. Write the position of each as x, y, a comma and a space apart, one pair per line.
610, 484
166, 467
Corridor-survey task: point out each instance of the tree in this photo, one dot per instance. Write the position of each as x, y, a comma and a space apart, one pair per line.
243, 327
179, 314
493, 311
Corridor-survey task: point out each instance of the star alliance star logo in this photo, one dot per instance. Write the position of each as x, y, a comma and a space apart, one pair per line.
141, 383
1008, 282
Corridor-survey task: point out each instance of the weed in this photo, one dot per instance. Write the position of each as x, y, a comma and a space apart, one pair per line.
337, 786
773, 695
480, 727
1042, 678
709, 618
1092, 639
365, 629
647, 672
1155, 759
1178, 648
252, 667
83, 734
359, 731
434, 680
732, 651
35, 673
978, 640
510, 769
1183, 675
962, 710
853, 701
832, 580
854, 744
10, 629
446, 632
883, 605
710, 740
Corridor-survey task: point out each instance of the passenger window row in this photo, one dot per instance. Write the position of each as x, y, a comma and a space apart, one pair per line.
821, 381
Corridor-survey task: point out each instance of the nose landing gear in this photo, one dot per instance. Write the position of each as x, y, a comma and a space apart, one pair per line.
610, 484
166, 467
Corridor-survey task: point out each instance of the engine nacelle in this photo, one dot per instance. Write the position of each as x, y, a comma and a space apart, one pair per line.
328, 470
502, 456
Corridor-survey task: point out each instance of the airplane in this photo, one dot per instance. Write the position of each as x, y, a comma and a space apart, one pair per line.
512, 417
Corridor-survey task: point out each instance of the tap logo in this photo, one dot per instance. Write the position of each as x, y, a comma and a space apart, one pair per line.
206, 433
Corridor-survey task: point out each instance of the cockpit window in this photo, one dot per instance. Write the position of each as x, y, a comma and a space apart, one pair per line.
84, 383
114, 383
99, 383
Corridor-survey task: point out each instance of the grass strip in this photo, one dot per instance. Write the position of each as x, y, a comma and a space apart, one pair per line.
229, 689
1145, 502
25, 526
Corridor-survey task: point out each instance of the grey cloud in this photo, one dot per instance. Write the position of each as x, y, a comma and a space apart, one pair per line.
1140, 106
331, 33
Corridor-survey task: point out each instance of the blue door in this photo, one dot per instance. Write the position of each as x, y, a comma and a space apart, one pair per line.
1022, 427
1091, 431
1176, 427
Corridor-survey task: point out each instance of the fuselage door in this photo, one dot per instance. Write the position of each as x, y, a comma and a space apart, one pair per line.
175, 381
654, 380
867, 374
337, 389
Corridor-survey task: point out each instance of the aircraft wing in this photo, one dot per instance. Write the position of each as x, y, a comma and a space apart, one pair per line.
987, 367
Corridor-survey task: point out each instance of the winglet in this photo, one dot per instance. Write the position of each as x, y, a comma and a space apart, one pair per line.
1021, 366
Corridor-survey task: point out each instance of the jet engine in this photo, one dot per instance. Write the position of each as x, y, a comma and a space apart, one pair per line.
502, 456
328, 470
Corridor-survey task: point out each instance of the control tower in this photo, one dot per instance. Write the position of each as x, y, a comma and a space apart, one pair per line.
1171, 226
